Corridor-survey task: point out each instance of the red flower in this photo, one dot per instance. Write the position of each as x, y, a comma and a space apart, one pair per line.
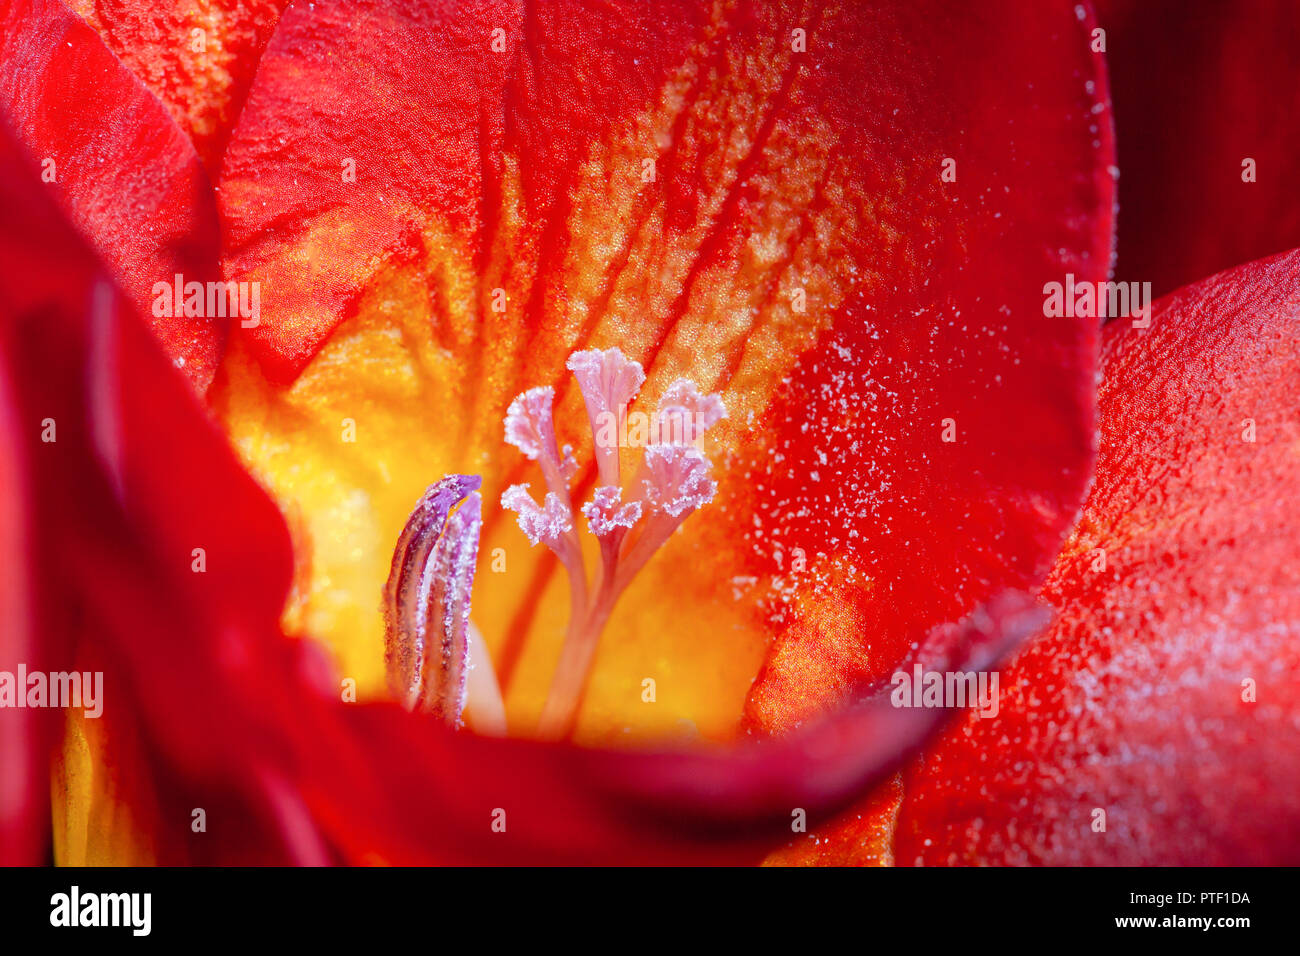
842, 223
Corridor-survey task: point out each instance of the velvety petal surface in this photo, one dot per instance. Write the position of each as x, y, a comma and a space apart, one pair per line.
1163, 702
197, 56
163, 564
442, 204
120, 169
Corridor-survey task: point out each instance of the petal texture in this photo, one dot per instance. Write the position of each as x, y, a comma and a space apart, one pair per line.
120, 169
164, 565
1199, 89
1164, 696
197, 56
750, 196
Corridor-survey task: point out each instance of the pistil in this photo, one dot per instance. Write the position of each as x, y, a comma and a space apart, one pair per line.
630, 523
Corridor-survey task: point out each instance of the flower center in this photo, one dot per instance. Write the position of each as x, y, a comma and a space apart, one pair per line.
435, 658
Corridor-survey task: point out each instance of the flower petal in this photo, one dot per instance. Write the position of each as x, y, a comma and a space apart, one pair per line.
208, 707
446, 224
119, 167
156, 561
198, 58
1199, 90
572, 805
25, 735
1164, 696
934, 446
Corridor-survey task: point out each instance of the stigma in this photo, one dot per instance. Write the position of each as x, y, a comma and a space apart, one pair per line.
630, 516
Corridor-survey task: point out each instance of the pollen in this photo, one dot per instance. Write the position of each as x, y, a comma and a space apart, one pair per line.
434, 657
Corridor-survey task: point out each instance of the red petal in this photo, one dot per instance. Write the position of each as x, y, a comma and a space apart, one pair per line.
1132, 703
199, 59
36, 280
428, 116
25, 735
1199, 88
903, 530
208, 706
925, 297
114, 507
123, 172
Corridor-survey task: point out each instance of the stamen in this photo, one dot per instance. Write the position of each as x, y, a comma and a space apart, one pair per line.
445, 589
677, 478
609, 520
609, 380
531, 428
568, 464
427, 601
